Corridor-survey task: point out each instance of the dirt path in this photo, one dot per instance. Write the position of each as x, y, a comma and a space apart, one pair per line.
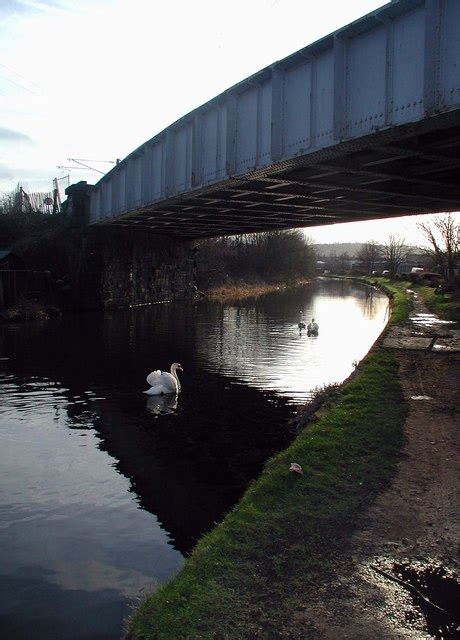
416, 521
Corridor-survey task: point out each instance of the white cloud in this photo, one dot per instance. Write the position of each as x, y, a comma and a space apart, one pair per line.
9, 135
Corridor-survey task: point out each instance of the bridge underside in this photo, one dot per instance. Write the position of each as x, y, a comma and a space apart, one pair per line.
412, 169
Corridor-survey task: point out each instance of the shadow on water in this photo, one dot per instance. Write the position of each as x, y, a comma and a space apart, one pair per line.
191, 465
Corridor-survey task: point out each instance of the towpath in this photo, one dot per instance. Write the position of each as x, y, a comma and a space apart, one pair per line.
415, 524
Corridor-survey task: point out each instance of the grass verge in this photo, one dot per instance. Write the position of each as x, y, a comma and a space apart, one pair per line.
444, 305
251, 575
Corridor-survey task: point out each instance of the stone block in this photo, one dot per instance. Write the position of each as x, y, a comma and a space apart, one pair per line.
409, 342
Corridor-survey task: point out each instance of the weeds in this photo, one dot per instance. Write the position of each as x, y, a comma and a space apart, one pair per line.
26, 310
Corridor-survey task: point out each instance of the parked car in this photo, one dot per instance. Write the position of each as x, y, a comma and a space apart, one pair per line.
385, 273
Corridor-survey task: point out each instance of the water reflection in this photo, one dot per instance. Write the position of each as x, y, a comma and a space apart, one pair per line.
261, 344
161, 405
103, 490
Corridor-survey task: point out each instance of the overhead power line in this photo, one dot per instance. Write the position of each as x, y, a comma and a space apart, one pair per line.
90, 160
81, 162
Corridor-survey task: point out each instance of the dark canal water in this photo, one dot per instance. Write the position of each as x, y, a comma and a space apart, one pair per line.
103, 489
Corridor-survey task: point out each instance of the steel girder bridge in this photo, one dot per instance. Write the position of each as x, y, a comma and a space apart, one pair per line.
363, 124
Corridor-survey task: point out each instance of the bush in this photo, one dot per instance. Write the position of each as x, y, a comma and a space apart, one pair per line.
26, 310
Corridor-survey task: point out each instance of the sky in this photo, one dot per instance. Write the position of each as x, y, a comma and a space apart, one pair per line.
94, 79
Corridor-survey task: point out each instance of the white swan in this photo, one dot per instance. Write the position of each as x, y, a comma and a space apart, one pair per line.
162, 382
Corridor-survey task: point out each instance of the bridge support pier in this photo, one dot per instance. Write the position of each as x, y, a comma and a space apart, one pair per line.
113, 267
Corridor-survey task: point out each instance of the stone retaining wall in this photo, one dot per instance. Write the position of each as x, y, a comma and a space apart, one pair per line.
115, 267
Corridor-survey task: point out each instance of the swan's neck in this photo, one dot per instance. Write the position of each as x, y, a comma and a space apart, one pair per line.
174, 373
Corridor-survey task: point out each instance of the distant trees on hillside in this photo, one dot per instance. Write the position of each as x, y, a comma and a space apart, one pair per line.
270, 256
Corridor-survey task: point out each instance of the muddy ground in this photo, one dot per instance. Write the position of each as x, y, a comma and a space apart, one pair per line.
415, 522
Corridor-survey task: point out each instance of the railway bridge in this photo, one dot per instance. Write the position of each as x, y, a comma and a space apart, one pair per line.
362, 124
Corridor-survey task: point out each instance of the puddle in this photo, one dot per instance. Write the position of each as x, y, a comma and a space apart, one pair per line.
428, 319
434, 591
421, 398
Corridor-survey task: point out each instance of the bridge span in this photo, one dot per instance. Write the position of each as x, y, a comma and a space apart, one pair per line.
362, 124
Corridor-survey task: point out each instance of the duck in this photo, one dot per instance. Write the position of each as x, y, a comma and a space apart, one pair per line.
301, 324
313, 328
163, 382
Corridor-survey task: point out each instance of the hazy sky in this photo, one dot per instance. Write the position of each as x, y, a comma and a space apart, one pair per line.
94, 79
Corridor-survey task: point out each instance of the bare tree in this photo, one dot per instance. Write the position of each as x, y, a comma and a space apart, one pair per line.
269, 256
11, 203
369, 255
394, 252
444, 239
344, 259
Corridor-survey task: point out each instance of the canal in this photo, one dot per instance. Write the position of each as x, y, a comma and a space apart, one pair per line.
104, 490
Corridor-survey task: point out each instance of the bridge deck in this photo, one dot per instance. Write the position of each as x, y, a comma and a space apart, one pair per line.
363, 124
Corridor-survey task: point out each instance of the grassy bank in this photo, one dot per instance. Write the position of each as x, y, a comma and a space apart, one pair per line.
444, 305
251, 575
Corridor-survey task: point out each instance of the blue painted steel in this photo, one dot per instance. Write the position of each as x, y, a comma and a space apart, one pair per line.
395, 66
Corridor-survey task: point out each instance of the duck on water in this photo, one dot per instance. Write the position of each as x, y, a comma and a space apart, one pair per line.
312, 328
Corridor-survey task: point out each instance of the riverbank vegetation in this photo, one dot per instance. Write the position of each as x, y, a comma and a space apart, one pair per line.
445, 304
29, 310
396, 291
249, 264
251, 576
40, 239
243, 289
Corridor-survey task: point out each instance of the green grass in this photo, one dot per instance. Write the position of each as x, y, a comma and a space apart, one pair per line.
250, 576
396, 291
444, 305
